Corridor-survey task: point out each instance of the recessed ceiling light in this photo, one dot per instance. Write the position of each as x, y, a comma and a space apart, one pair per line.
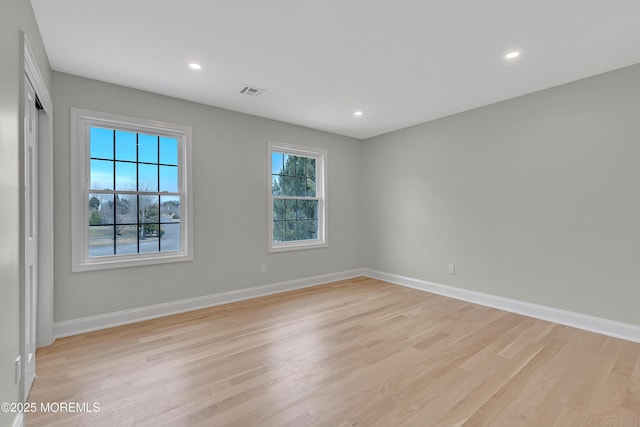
357, 113
195, 66
512, 55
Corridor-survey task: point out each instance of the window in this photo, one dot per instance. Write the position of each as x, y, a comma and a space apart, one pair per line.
130, 183
297, 203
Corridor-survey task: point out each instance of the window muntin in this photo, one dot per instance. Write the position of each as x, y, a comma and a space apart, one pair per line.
296, 197
134, 203
135, 208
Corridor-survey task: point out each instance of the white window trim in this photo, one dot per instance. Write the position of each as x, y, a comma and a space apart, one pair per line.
81, 121
321, 190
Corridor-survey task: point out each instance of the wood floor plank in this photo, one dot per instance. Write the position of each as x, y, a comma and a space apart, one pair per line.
357, 352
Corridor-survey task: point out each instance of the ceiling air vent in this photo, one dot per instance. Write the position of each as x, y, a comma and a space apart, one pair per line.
251, 90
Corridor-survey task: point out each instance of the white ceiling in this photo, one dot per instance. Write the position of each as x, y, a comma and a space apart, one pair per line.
401, 62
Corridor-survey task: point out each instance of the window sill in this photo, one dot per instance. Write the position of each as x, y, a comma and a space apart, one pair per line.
284, 247
132, 261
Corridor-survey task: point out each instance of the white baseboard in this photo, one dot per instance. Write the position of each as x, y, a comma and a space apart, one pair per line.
103, 321
598, 325
18, 421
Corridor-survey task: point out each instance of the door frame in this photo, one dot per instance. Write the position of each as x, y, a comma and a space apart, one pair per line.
32, 73
29, 299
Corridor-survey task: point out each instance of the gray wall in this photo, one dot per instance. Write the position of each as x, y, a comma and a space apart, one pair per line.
230, 204
535, 198
16, 16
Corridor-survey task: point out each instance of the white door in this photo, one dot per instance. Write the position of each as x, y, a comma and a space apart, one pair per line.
30, 291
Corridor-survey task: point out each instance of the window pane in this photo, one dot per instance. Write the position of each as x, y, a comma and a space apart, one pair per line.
125, 145
150, 229
302, 230
148, 209
147, 148
101, 240
278, 231
126, 176
126, 239
290, 230
276, 163
147, 177
106, 208
170, 237
300, 163
286, 165
95, 213
126, 209
311, 187
290, 209
101, 174
311, 168
301, 211
312, 229
149, 240
169, 179
168, 150
276, 185
301, 186
101, 143
289, 185
169, 209
278, 209
312, 209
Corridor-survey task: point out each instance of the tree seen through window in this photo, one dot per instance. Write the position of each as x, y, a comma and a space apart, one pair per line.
295, 202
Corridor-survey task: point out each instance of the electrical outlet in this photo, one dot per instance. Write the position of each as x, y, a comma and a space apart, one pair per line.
264, 268
18, 373
452, 269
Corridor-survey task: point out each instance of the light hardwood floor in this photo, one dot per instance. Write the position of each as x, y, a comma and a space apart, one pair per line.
357, 352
